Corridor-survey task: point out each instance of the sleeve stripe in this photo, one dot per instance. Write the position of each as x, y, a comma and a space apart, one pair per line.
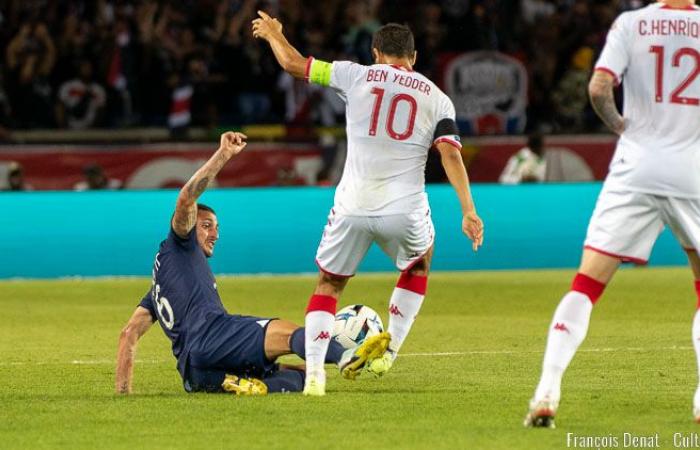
608, 71
448, 140
307, 71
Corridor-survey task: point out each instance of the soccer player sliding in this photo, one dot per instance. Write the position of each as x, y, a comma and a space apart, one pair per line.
216, 351
394, 117
654, 177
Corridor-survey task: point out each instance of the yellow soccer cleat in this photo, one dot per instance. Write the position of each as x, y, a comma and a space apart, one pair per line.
372, 348
315, 385
244, 386
380, 366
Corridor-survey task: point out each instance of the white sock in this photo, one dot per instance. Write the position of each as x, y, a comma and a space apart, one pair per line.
403, 309
696, 345
317, 336
567, 331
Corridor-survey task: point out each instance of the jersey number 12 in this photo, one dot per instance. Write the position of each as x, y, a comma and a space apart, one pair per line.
676, 97
393, 104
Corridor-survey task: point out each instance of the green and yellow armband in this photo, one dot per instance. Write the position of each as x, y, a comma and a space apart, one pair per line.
319, 72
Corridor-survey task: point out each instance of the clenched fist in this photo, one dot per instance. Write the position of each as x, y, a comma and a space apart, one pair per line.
232, 143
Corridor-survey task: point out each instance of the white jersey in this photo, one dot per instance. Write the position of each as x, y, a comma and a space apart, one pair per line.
392, 114
656, 52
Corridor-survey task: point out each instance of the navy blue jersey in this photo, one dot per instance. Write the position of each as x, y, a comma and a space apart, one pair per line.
183, 295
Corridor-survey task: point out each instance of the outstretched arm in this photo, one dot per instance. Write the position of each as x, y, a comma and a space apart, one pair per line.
600, 90
472, 225
138, 324
288, 57
185, 216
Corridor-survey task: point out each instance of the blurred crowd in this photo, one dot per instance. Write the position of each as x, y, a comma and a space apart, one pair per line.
111, 63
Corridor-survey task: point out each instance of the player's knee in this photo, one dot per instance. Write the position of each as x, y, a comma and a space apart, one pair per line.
329, 284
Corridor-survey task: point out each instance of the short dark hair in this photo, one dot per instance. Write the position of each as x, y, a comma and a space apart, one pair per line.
203, 207
535, 141
394, 39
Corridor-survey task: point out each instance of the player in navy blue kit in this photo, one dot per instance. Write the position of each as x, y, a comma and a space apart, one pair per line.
217, 351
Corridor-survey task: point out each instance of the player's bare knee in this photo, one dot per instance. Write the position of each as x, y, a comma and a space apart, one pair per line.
420, 268
329, 284
598, 266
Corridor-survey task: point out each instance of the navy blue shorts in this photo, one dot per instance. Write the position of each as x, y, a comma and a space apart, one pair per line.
233, 344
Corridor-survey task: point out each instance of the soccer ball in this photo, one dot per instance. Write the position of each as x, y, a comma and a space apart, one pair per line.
354, 324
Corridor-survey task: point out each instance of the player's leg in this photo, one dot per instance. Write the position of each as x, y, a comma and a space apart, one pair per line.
571, 318
284, 338
284, 380
683, 218
694, 261
318, 326
344, 243
408, 240
407, 299
624, 227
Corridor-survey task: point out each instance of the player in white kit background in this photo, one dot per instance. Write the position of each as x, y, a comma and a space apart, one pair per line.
394, 117
654, 176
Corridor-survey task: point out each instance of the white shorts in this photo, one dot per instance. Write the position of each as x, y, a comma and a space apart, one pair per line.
405, 238
626, 224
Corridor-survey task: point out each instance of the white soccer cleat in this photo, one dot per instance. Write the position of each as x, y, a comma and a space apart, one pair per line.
380, 366
315, 384
541, 413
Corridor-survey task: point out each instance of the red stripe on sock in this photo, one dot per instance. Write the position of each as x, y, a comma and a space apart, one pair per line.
413, 283
587, 285
322, 303
697, 291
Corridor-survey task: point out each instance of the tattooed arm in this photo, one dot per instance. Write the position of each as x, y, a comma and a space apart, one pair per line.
185, 216
601, 91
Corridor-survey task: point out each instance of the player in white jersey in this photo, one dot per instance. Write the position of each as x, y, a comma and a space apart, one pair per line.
394, 116
654, 175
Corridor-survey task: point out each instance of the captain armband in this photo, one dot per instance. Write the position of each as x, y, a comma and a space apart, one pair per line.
319, 72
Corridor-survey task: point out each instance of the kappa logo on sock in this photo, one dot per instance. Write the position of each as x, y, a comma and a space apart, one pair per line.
323, 335
394, 311
561, 327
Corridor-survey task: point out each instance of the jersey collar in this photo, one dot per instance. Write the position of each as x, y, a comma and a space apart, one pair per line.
683, 8
405, 69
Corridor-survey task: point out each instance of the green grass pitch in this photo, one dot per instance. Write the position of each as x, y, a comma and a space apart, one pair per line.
463, 381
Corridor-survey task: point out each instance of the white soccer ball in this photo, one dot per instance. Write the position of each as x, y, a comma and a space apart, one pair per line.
355, 323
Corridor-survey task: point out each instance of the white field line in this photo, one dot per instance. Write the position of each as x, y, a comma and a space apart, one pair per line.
97, 362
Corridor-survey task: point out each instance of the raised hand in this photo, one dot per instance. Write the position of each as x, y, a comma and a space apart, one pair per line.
265, 26
232, 143
473, 227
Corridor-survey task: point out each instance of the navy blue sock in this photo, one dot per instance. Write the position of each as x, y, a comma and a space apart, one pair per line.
285, 381
296, 343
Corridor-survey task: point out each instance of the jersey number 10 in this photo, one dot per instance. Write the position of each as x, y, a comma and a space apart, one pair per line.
676, 97
393, 104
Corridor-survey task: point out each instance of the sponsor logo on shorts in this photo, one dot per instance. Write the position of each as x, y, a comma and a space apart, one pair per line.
323, 335
561, 327
394, 310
